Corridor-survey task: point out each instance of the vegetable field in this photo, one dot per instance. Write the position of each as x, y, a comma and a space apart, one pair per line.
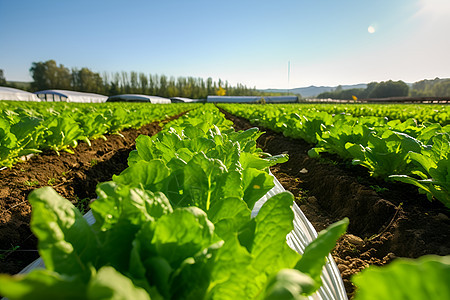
174, 187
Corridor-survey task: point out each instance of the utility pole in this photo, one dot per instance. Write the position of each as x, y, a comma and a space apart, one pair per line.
289, 75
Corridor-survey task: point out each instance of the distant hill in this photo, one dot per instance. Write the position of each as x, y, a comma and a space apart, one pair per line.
312, 91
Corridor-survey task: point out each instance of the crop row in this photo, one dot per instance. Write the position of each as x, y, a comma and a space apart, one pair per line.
176, 224
420, 112
408, 151
30, 127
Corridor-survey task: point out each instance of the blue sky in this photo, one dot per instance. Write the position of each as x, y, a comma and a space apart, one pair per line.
250, 42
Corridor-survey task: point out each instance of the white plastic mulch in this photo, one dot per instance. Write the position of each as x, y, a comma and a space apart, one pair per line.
303, 234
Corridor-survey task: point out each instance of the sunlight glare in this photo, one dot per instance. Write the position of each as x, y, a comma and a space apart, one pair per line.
434, 7
371, 29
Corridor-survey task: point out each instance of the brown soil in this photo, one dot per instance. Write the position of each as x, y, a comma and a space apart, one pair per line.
73, 176
396, 221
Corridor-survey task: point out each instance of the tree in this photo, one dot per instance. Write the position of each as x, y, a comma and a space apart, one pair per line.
47, 75
389, 88
143, 82
125, 83
431, 88
85, 80
441, 89
2, 78
209, 89
163, 86
134, 82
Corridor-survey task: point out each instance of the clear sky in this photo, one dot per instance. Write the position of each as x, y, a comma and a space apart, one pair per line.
327, 42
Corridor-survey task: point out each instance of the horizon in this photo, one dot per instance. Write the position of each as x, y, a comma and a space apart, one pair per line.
251, 43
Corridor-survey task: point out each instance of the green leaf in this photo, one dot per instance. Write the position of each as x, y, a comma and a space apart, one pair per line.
66, 241
251, 160
273, 222
313, 258
192, 278
135, 205
203, 178
144, 149
229, 277
182, 234
110, 284
25, 127
288, 284
425, 278
229, 215
120, 211
149, 175
256, 184
41, 284
315, 152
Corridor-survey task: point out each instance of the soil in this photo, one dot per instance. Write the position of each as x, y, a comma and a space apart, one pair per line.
73, 176
387, 220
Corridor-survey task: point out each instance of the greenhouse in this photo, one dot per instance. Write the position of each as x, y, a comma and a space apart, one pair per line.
182, 100
252, 99
7, 93
70, 96
233, 99
281, 99
138, 98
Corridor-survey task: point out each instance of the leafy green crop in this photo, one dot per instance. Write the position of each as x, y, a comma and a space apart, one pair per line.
401, 149
424, 278
176, 224
29, 127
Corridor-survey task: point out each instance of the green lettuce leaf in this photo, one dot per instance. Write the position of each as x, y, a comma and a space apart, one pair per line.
67, 243
42, 284
425, 278
313, 258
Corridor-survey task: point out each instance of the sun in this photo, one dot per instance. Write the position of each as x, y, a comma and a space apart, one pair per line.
371, 29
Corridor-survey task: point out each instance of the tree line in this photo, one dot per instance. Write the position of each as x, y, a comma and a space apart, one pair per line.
49, 75
382, 89
431, 88
385, 89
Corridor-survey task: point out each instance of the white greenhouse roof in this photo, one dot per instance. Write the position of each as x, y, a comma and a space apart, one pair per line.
7, 93
233, 99
139, 98
181, 99
70, 96
252, 99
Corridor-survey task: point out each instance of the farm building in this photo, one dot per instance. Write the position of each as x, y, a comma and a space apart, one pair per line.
138, 98
281, 99
7, 93
252, 99
182, 100
69, 96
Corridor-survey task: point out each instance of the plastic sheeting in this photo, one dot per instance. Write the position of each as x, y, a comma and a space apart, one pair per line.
302, 234
281, 99
70, 96
7, 93
233, 99
252, 99
183, 100
138, 98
